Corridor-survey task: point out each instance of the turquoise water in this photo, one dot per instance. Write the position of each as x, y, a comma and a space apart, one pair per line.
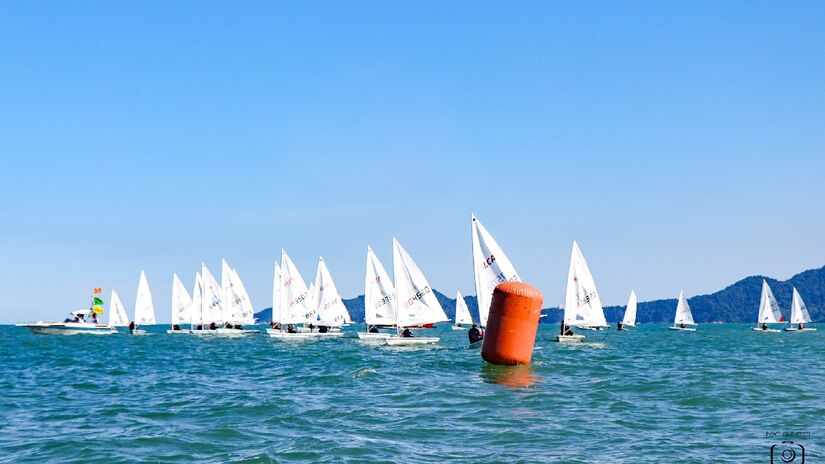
650, 396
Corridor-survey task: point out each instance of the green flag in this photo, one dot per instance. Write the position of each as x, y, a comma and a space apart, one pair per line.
98, 301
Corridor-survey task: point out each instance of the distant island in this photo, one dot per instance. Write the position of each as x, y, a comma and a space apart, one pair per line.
738, 302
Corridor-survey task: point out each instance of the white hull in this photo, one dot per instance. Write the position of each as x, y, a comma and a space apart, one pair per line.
794, 329
683, 329
457, 327
68, 328
410, 341
570, 338
476, 345
224, 332
173, 332
759, 329
284, 335
139, 332
373, 336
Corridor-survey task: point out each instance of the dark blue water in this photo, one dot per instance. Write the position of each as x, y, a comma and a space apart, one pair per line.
650, 396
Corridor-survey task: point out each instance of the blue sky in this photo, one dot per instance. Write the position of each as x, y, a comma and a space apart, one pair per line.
682, 145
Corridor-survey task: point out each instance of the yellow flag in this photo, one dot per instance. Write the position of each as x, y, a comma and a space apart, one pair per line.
97, 310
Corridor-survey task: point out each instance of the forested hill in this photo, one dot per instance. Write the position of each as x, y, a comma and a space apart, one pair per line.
738, 302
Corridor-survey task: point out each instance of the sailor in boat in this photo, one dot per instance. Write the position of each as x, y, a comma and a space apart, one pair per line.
213, 326
619, 326
323, 329
238, 326
291, 329
175, 327
474, 334
275, 325
94, 318
311, 327
132, 327
372, 329
764, 326
682, 325
801, 326
406, 333
565, 329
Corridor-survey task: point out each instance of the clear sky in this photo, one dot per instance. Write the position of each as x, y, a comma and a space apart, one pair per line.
682, 145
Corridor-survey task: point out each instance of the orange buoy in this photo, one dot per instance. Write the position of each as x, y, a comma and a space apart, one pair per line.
512, 324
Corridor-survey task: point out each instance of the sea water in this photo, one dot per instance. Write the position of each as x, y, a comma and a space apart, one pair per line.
722, 394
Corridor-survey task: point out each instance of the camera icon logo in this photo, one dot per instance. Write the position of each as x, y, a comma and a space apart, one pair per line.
787, 452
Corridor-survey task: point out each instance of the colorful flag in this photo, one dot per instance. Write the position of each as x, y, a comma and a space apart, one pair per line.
97, 310
98, 290
98, 301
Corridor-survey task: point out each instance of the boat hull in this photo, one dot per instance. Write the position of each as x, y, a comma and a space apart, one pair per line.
283, 335
410, 341
570, 338
759, 329
68, 328
457, 327
794, 329
373, 336
683, 329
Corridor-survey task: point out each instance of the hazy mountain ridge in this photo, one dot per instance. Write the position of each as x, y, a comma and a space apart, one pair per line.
738, 302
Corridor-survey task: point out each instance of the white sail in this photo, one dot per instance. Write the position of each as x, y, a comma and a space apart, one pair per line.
769, 312
295, 295
462, 312
212, 297
379, 293
243, 312
312, 302
416, 303
276, 293
330, 307
630, 312
117, 312
683, 314
236, 308
582, 305
181, 302
144, 309
490, 266
799, 312
196, 313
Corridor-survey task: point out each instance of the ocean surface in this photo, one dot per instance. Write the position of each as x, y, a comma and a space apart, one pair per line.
722, 394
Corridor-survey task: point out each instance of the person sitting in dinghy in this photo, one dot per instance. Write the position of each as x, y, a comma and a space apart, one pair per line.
474, 334
323, 329
406, 333
619, 326
213, 326
373, 329
565, 329
682, 325
132, 327
801, 326
764, 326
291, 329
175, 327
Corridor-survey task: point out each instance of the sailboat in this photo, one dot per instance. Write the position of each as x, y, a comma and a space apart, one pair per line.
415, 304
144, 308
76, 324
799, 315
117, 312
331, 314
181, 306
683, 317
582, 305
769, 312
490, 267
462, 313
294, 306
211, 297
379, 296
236, 309
196, 309
629, 319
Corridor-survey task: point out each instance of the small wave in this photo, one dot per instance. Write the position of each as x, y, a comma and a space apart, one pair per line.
363, 372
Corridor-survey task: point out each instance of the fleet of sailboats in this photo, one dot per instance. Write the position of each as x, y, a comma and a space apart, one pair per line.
391, 306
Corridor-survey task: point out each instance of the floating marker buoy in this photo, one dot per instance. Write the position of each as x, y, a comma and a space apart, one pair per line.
512, 324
